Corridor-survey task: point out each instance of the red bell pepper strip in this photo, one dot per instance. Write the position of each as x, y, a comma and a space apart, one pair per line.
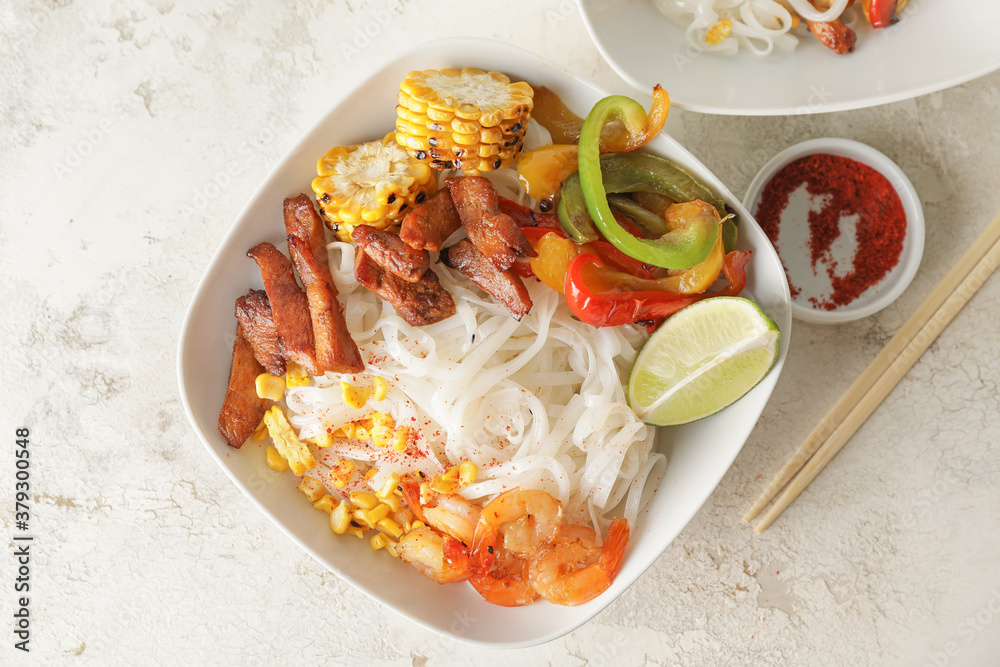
523, 216
609, 309
882, 13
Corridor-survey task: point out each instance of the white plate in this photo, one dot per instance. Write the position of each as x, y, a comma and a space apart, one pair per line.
936, 44
699, 453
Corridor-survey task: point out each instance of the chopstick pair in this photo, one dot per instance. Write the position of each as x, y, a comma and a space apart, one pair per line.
882, 374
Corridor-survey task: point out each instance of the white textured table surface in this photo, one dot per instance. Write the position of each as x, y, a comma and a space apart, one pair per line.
131, 134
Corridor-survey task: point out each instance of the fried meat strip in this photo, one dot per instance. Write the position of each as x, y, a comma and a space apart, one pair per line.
392, 253
419, 303
430, 224
302, 221
504, 286
253, 311
335, 349
288, 305
242, 409
835, 35
495, 234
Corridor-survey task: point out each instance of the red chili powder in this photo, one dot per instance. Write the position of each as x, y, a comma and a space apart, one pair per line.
853, 189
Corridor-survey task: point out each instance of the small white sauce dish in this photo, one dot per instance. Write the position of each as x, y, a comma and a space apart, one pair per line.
800, 270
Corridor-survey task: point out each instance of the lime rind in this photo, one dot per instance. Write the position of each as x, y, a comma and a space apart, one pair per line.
703, 359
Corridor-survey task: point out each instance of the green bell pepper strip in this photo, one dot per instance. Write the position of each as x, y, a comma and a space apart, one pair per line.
679, 249
656, 225
636, 172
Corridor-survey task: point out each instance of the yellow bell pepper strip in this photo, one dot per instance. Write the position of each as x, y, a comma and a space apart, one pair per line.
555, 251
584, 279
581, 206
542, 170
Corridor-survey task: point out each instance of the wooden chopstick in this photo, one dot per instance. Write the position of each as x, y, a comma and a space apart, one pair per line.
882, 374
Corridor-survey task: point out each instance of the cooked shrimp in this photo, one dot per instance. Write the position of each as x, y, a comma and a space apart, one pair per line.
454, 515
409, 487
441, 558
506, 583
528, 518
576, 531
573, 571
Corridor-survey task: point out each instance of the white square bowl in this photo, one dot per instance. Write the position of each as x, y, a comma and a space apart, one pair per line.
699, 454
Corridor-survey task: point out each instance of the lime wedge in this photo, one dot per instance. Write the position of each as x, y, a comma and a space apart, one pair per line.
702, 359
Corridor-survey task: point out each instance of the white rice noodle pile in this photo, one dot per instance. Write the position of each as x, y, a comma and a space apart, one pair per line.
535, 404
758, 25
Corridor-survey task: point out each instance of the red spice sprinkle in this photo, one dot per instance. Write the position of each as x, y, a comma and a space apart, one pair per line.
853, 189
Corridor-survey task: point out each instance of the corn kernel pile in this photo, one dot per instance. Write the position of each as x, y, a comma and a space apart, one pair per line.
383, 511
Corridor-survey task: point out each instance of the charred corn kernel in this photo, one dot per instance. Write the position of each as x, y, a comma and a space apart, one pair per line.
326, 503
340, 518
718, 32
356, 531
380, 387
360, 517
261, 432
467, 473
796, 20
296, 375
362, 433
355, 397
445, 116
372, 183
388, 488
340, 472
377, 541
378, 513
451, 474
270, 387
312, 488
413, 524
390, 528
401, 438
275, 461
348, 430
299, 458
371, 473
444, 486
322, 439
364, 500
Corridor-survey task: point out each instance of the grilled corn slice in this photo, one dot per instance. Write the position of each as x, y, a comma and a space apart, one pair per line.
463, 119
374, 183
297, 454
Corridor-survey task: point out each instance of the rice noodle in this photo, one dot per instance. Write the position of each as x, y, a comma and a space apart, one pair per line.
535, 404
758, 26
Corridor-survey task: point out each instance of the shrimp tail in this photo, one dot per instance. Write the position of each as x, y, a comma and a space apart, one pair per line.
456, 557
613, 552
410, 489
483, 551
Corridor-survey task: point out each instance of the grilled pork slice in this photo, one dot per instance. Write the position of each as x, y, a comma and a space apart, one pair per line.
253, 311
430, 224
335, 349
391, 253
504, 286
494, 233
242, 409
419, 303
302, 221
288, 305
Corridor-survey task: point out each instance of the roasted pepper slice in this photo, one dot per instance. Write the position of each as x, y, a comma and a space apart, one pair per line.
586, 275
883, 13
637, 172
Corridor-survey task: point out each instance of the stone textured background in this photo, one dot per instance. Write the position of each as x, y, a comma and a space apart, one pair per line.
116, 119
